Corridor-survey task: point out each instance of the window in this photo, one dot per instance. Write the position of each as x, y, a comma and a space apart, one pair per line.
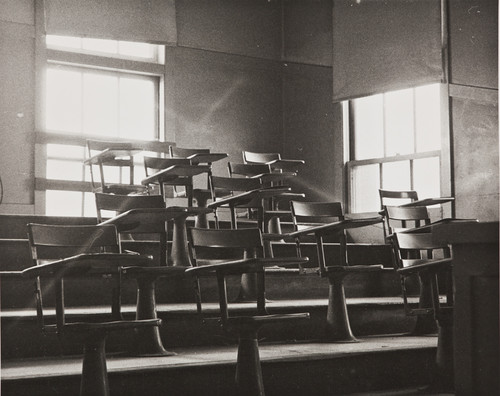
94, 89
395, 144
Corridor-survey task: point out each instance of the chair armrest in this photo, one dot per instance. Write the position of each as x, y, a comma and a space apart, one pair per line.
245, 265
11, 275
153, 272
418, 265
101, 263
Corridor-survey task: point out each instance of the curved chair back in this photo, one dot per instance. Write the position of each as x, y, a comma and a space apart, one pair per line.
396, 196
399, 218
250, 157
180, 152
247, 170
307, 214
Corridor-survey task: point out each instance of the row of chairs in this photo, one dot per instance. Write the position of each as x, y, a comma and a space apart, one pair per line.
243, 252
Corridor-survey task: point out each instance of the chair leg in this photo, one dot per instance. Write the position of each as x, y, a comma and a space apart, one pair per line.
426, 323
94, 381
248, 369
338, 327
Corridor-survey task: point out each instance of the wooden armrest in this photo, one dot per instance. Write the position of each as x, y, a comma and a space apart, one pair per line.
82, 263
11, 275
246, 265
418, 265
336, 227
153, 272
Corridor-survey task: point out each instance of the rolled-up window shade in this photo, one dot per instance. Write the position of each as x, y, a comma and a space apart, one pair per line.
384, 45
128, 20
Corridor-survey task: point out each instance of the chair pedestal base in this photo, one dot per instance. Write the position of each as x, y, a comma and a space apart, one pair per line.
94, 380
248, 368
201, 197
148, 340
338, 328
443, 379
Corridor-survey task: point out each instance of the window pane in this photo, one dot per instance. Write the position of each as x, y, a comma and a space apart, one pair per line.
137, 108
89, 208
426, 177
99, 45
64, 170
63, 203
396, 175
65, 151
365, 185
369, 127
399, 122
100, 104
428, 118
54, 41
64, 100
140, 50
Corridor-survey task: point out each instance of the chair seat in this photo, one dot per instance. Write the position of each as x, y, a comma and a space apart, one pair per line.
264, 319
353, 268
84, 327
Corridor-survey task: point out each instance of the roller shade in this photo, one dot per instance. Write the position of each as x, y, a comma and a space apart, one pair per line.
383, 45
129, 20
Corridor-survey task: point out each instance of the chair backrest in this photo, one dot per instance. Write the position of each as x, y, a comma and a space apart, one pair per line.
391, 197
180, 152
209, 246
412, 247
122, 203
247, 170
306, 214
54, 242
212, 245
223, 186
250, 157
399, 218
156, 164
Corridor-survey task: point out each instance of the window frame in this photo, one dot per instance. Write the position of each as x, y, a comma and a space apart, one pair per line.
444, 154
107, 63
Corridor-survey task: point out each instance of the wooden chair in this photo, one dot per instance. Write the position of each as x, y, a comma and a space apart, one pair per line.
224, 186
231, 252
274, 160
156, 164
201, 195
307, 215
391, 197
109, 155
398, 219
416, 255
247, 170
116, 204
62, 252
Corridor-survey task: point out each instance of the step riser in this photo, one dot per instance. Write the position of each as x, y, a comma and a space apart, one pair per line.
327, 376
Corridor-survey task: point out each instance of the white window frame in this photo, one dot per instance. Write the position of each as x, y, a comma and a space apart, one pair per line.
97, 61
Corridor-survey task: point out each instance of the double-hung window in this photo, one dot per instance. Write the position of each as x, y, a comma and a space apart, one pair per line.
394, 144
97, 89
